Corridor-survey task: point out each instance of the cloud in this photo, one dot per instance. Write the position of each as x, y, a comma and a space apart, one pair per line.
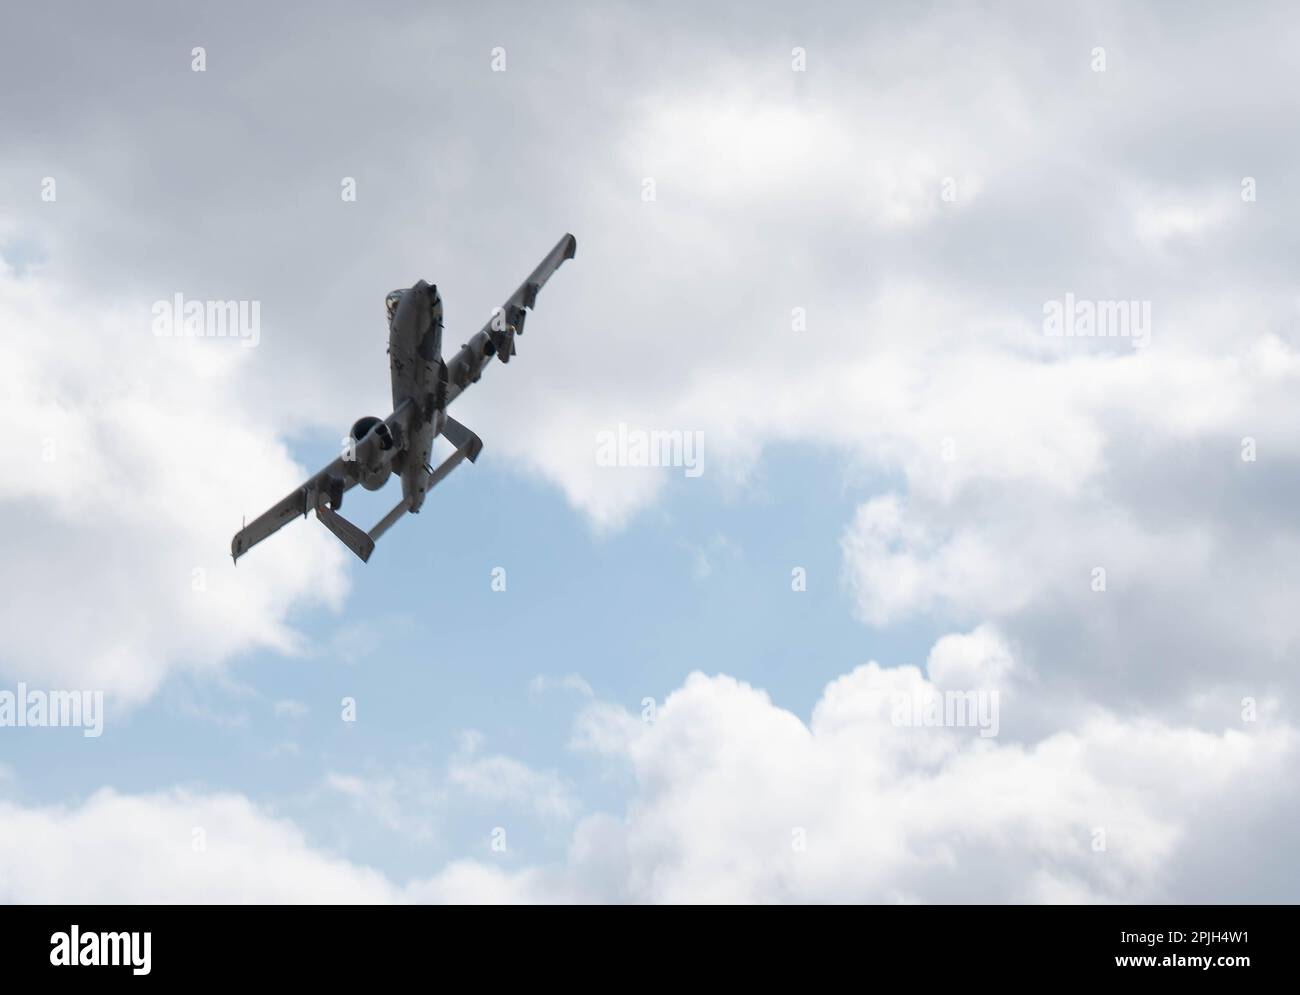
409, 800
504, 780
414, 799
1016, 465
776, 190
739, 800
576, 683
132, 465
1109, 498
174, 846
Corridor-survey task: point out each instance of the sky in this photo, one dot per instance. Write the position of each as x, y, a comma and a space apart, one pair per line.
824, 239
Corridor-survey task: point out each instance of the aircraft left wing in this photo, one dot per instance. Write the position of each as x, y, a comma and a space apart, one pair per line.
323, 493
292, 506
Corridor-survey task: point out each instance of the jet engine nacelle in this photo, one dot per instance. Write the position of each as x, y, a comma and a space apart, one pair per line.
372, 474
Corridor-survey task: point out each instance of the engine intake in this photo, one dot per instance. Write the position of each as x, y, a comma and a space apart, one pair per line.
374, 474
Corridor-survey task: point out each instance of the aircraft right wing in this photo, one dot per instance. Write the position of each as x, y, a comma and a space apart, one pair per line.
496, 337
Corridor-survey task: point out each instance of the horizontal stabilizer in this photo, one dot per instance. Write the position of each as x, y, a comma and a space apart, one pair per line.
462, 438
348, 534
389, 520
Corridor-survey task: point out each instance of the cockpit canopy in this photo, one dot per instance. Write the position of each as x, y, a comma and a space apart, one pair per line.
391, 301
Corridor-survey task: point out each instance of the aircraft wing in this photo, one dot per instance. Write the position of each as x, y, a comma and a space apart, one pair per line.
331, 482
496, 337
295, 505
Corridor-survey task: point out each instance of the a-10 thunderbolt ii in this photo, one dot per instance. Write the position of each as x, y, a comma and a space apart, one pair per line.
423, 385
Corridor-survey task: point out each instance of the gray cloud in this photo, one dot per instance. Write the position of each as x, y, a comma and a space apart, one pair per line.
775, 190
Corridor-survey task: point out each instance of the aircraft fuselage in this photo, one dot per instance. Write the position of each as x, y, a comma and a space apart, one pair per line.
419, 376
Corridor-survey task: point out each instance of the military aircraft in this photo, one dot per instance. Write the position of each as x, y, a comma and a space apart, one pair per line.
423, 385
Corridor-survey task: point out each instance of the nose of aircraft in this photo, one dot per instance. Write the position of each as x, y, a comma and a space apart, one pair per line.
411, 314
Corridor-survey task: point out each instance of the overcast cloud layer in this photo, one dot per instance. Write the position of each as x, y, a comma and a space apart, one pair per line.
799, 277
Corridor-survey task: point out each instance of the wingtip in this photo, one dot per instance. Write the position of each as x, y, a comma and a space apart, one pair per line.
571, 249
